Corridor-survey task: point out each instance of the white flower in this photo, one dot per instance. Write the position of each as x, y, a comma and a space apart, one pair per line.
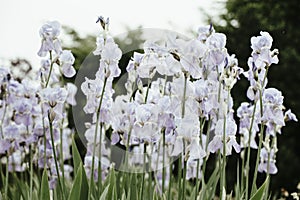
49, 33
259, 42
67, 60
216, 40
72, 89
111, 51
230, 141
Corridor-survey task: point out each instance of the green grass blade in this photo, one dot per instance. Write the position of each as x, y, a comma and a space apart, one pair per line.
260, 193
76, 188
45, 193
84, 185
112, 184
104, 193
133, 188
76, 157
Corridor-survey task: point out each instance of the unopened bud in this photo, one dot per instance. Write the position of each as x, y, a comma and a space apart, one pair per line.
51, 115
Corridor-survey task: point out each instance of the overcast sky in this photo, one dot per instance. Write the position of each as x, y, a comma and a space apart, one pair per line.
20, 20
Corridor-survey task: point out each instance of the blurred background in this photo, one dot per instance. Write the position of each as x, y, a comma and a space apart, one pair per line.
238, 19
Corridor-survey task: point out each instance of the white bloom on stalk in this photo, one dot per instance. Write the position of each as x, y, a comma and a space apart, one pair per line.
67, 60
263, 41
245, 112
54, 99
267, 161
230, 139
72, 89
49, 33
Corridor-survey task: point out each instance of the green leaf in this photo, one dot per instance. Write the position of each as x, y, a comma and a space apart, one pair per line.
210, 187
133, 188
123, 195
104, 194
76, 156
84, 185
76, 188
112, 184
45, 193
260, 193
22, 188
193, 195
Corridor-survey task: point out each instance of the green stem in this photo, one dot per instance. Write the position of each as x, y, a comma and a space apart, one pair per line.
163, 169
62, 156
127, 147
99, 162
184, 96
95, 137
148, 87
206, 146
45, 139
248, 153
261, 133
184, 180
170, 181
144, 170
179, 175
150, 175
182, 154
257, 158
31, 168
197, 178
51, 67
223, 174
54, 155
6, 178
31, 173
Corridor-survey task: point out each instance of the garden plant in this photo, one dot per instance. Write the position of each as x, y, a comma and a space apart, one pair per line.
156, 140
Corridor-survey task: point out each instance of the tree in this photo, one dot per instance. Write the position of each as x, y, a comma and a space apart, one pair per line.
246, 18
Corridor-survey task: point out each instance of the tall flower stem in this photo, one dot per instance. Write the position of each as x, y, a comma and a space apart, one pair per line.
144, 170
45, 139
257, 158
184, 96
95, 138
31, 167
99, 161
6, 178
170, 182
54, 155
247, 167
223, 173
261, 131
51, 67
163, 169
62, 153
182, 176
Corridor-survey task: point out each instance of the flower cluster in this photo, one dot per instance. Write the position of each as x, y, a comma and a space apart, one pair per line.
99, 93
34, 116
178, 104
266, 108
172, 116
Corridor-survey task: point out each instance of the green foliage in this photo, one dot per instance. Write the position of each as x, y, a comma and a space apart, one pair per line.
45, 193
76, 157
76, 192
261, 192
